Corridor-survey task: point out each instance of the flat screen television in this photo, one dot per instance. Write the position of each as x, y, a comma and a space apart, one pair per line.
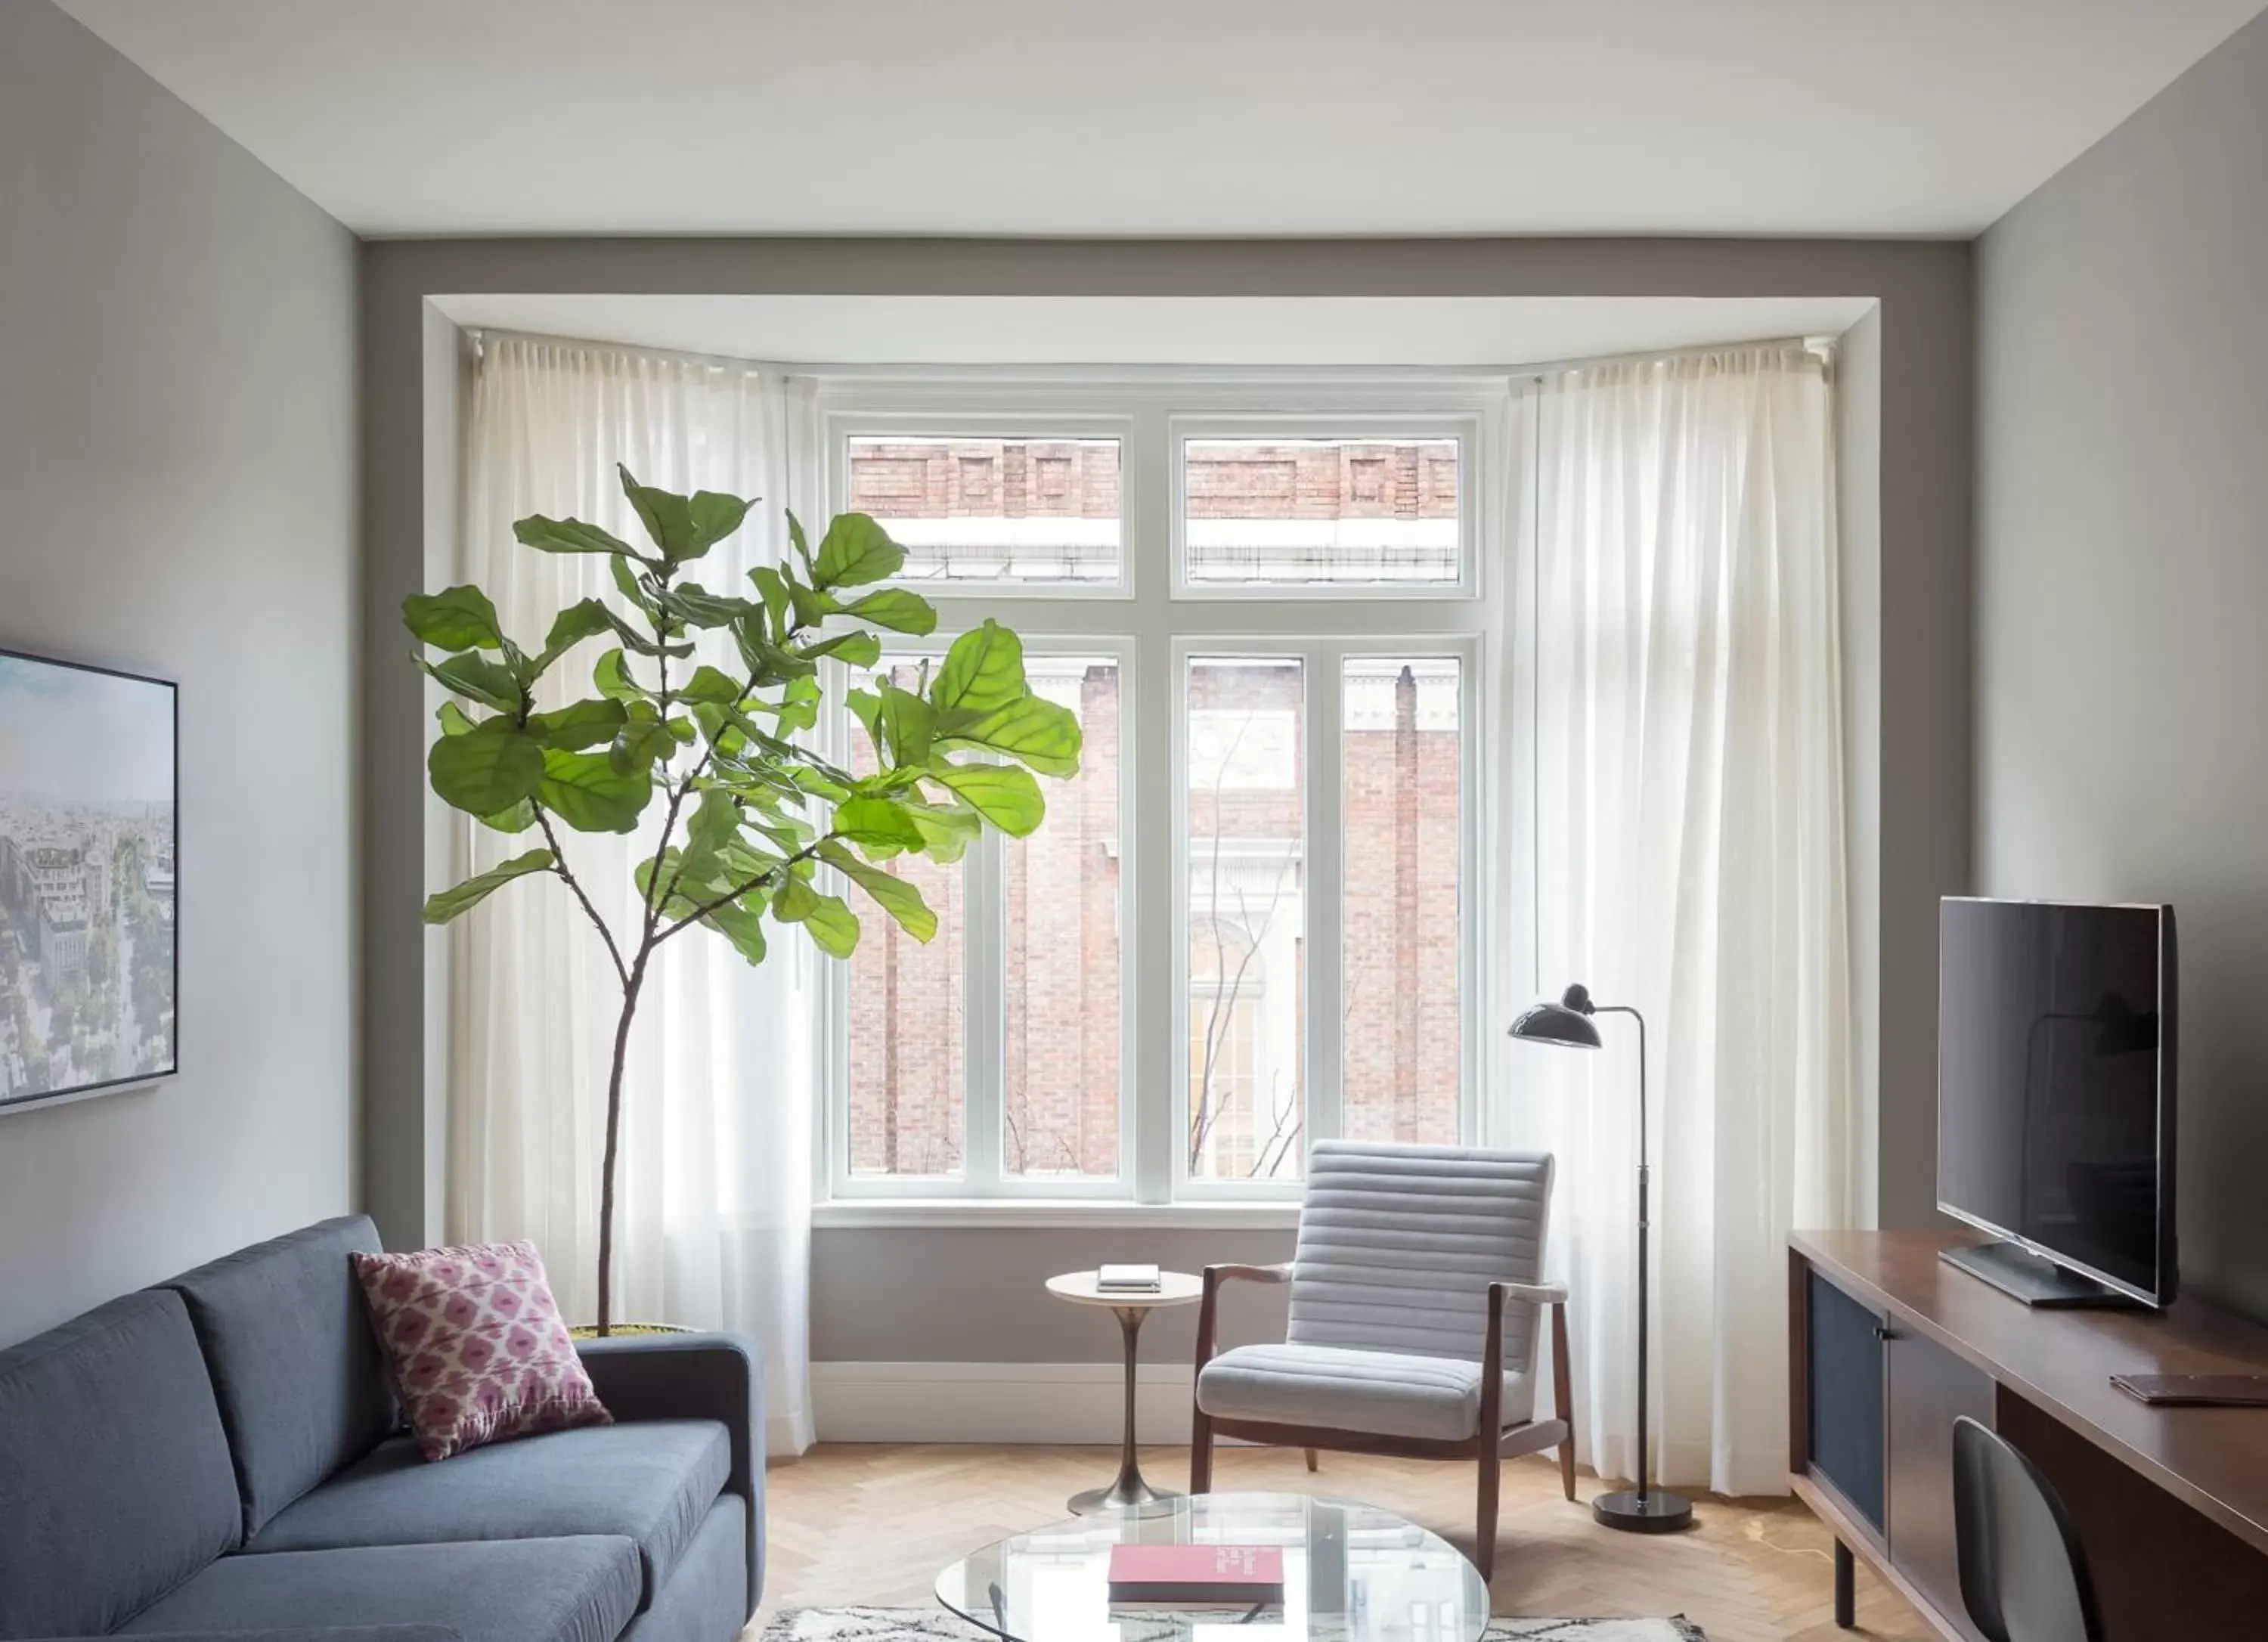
2055, 1096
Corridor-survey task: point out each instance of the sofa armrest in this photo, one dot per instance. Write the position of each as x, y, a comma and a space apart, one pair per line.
298, 1633
694, 1376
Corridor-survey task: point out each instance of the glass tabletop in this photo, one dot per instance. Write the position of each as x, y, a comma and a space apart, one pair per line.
1352, 1573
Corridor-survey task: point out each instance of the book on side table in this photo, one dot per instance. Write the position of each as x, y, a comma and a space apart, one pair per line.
1196, 1574
1127, 1280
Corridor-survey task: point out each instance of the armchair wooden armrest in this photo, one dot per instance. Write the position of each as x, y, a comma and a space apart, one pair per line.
1214, 1276
1534, 1294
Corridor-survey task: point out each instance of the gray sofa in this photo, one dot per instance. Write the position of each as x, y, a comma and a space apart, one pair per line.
219, 1456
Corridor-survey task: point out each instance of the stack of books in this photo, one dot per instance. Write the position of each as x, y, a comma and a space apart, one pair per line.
1196, 1574
1127, 1279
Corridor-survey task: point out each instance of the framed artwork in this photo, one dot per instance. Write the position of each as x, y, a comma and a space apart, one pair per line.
90, 840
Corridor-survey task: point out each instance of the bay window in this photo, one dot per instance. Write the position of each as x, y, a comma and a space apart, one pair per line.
1248, 922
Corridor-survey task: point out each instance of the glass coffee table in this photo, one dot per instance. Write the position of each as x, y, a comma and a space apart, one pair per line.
1352, 1573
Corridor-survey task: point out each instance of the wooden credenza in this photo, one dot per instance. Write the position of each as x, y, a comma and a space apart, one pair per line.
1888, 1344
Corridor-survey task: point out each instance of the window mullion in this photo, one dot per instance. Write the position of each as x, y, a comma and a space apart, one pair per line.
1158, 1062
984, 1003
1325, 879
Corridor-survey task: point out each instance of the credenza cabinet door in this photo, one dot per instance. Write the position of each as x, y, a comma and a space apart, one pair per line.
1842, 1397
1929, 1388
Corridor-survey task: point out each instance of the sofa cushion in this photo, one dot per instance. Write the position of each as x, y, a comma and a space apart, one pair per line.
295, 1364
707, 1598
115, 1477
1384, 1393
523, 1590
651, 1482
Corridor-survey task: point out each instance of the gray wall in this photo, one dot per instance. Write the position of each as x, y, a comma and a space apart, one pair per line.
942, 1285
177, 451
2123, 583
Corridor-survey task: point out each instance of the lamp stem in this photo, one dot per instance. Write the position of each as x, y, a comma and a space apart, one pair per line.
1644, 1226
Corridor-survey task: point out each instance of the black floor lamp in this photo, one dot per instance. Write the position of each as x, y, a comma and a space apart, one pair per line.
1571, 1024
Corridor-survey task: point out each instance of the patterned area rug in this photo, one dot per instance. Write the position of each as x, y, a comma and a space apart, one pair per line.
930, 1624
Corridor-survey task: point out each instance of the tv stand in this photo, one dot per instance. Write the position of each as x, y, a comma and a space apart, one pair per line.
2015, 1269
1889, 1345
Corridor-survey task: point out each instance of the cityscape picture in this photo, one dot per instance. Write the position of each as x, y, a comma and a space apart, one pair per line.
87, 841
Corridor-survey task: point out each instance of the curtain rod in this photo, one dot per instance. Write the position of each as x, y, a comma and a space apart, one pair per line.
1823, 346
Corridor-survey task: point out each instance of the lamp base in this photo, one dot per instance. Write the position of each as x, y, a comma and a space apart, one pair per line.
1654, 1512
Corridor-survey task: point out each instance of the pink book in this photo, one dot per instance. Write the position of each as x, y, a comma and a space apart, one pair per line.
1196, 1574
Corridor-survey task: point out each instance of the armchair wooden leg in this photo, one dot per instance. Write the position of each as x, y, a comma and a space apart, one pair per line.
1562, 1398
1311, 1459
1484, 1528
1200, 1450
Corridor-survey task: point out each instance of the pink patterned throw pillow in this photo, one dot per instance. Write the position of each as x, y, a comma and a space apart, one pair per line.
476, 1345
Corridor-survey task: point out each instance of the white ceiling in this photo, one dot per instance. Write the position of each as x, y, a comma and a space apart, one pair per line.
1367, 331
1166, 117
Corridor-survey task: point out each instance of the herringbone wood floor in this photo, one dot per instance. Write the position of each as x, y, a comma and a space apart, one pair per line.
872, 1524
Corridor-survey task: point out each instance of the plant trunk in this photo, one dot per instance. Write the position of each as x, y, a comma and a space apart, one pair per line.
613, 1143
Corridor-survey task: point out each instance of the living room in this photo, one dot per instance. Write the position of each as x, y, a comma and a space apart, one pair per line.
1172, 640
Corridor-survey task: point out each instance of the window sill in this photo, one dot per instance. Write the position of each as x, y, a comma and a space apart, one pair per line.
871, 1213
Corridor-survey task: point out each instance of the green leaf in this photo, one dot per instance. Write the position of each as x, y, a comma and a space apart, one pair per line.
569, 535
811, 606
896, 895
877, 824
894, 608
697, 606
518, 818
947, 830
716, 516
773, 590
709, 684
453, 719
586, 790
907, 724
488, 768
798, 540
632, 589
447, 905
585, 618
834, 927
643, 741
1034, 731
581, 725
742, 925
1001, 793
476, 678
612, 678
455, 618
855, 550
666, 516
716, 823
983, 672
859, 649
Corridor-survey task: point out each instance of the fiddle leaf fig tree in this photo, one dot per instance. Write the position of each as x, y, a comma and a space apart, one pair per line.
695, 734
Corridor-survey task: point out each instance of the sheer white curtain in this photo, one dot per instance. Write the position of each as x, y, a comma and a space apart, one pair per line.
1678, 845
715, 1188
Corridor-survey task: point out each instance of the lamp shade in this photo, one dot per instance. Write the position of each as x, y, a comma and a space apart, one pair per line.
1567, 1022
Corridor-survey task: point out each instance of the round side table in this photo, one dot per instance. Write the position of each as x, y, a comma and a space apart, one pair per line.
1175, 1288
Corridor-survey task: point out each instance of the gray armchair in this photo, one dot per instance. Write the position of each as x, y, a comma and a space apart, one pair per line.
1415, 1315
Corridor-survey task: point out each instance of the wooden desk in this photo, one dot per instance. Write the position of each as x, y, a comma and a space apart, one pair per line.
2171, 1504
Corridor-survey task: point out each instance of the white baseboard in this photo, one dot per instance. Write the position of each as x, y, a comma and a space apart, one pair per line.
1048, 1403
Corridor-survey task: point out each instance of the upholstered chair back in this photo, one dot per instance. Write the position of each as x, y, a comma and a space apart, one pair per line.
1398, 1245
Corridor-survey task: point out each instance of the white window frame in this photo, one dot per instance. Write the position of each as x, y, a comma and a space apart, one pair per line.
1467, 430
984, 1014
1153, 625
845, 426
